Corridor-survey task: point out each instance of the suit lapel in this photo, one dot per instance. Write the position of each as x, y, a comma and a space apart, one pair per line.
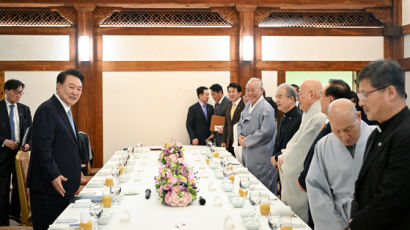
238, 110
64, 116
209, 112
3, 113
21, 119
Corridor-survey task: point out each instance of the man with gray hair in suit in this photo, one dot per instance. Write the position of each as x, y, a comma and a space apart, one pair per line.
256, 131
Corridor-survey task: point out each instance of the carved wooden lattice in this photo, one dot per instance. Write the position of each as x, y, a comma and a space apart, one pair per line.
165, 18
31, 17
320, 19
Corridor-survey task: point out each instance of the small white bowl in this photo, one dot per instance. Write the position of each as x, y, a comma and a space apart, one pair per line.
251, 223
247, 213
238, 202
124, 179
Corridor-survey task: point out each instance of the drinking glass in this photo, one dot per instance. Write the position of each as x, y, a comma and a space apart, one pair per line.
286, 223
116, 191
243, 186
274, 220
85, 221
96, 209
255, 199
107, 198
264, 205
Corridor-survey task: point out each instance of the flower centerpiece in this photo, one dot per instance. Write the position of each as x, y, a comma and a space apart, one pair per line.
175, 183
170, 152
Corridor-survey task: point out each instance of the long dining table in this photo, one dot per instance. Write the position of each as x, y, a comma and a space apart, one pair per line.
134, 211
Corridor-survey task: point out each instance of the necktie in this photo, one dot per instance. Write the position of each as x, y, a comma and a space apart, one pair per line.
233, 110
70, 118
204, 109
217, 106
11, 118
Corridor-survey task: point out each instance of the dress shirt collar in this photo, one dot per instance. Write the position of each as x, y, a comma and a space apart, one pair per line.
237, 102
65, 106
8, 103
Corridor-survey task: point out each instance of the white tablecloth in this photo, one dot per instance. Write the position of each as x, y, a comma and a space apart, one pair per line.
151, 214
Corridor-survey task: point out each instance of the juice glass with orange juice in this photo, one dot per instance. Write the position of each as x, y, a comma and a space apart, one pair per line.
85, 221
109, 181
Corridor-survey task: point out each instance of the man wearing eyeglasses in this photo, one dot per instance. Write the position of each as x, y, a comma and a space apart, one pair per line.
14, 120
383, 186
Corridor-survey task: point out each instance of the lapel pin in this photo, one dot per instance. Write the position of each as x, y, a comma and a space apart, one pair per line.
379, 144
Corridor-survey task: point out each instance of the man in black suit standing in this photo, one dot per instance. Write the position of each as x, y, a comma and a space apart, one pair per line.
199, 118
232, 115
381, 199
15, 118
221, 103
54, 172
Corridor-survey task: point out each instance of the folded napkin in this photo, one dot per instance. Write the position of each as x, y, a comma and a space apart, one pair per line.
82, 203
59, 227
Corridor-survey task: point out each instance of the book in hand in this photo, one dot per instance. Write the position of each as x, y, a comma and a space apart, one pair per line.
216, 121
26, 133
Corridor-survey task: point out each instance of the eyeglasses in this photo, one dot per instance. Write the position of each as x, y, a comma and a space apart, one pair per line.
18, 92
364, 95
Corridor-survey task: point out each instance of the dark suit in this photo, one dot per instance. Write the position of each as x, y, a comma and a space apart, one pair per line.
85, 150
227, 137
382, 189
7, 161
196, 123
55, 152
220, 110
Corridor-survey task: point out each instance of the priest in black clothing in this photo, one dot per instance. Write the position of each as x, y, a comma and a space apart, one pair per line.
381, 198
290, 121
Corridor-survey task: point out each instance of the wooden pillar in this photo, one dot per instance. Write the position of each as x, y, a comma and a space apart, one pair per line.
246, 28
393, 37
281, 77
86, 111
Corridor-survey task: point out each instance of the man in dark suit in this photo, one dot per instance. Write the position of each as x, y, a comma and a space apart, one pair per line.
232, 115
54, 171
221, 103
15, 118
199, 118
381, 199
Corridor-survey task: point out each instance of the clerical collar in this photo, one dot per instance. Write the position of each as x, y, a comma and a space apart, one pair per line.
383, 126
291, 113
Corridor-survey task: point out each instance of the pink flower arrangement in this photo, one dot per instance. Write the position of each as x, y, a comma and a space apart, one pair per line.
171, 153
176, 183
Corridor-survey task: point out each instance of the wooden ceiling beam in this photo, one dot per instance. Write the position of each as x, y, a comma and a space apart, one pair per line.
283, 4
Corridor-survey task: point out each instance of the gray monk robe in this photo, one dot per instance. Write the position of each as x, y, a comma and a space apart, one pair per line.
258, 126
293, 157
331, 178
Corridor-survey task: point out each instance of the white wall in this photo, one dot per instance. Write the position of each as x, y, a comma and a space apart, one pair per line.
321, 48
407, 45
39, 86
150, 107
270, 82
407, 76
406, 12
166, 48
34, 47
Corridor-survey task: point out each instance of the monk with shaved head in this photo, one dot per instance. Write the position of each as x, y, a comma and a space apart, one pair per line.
290, 162
335, 166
